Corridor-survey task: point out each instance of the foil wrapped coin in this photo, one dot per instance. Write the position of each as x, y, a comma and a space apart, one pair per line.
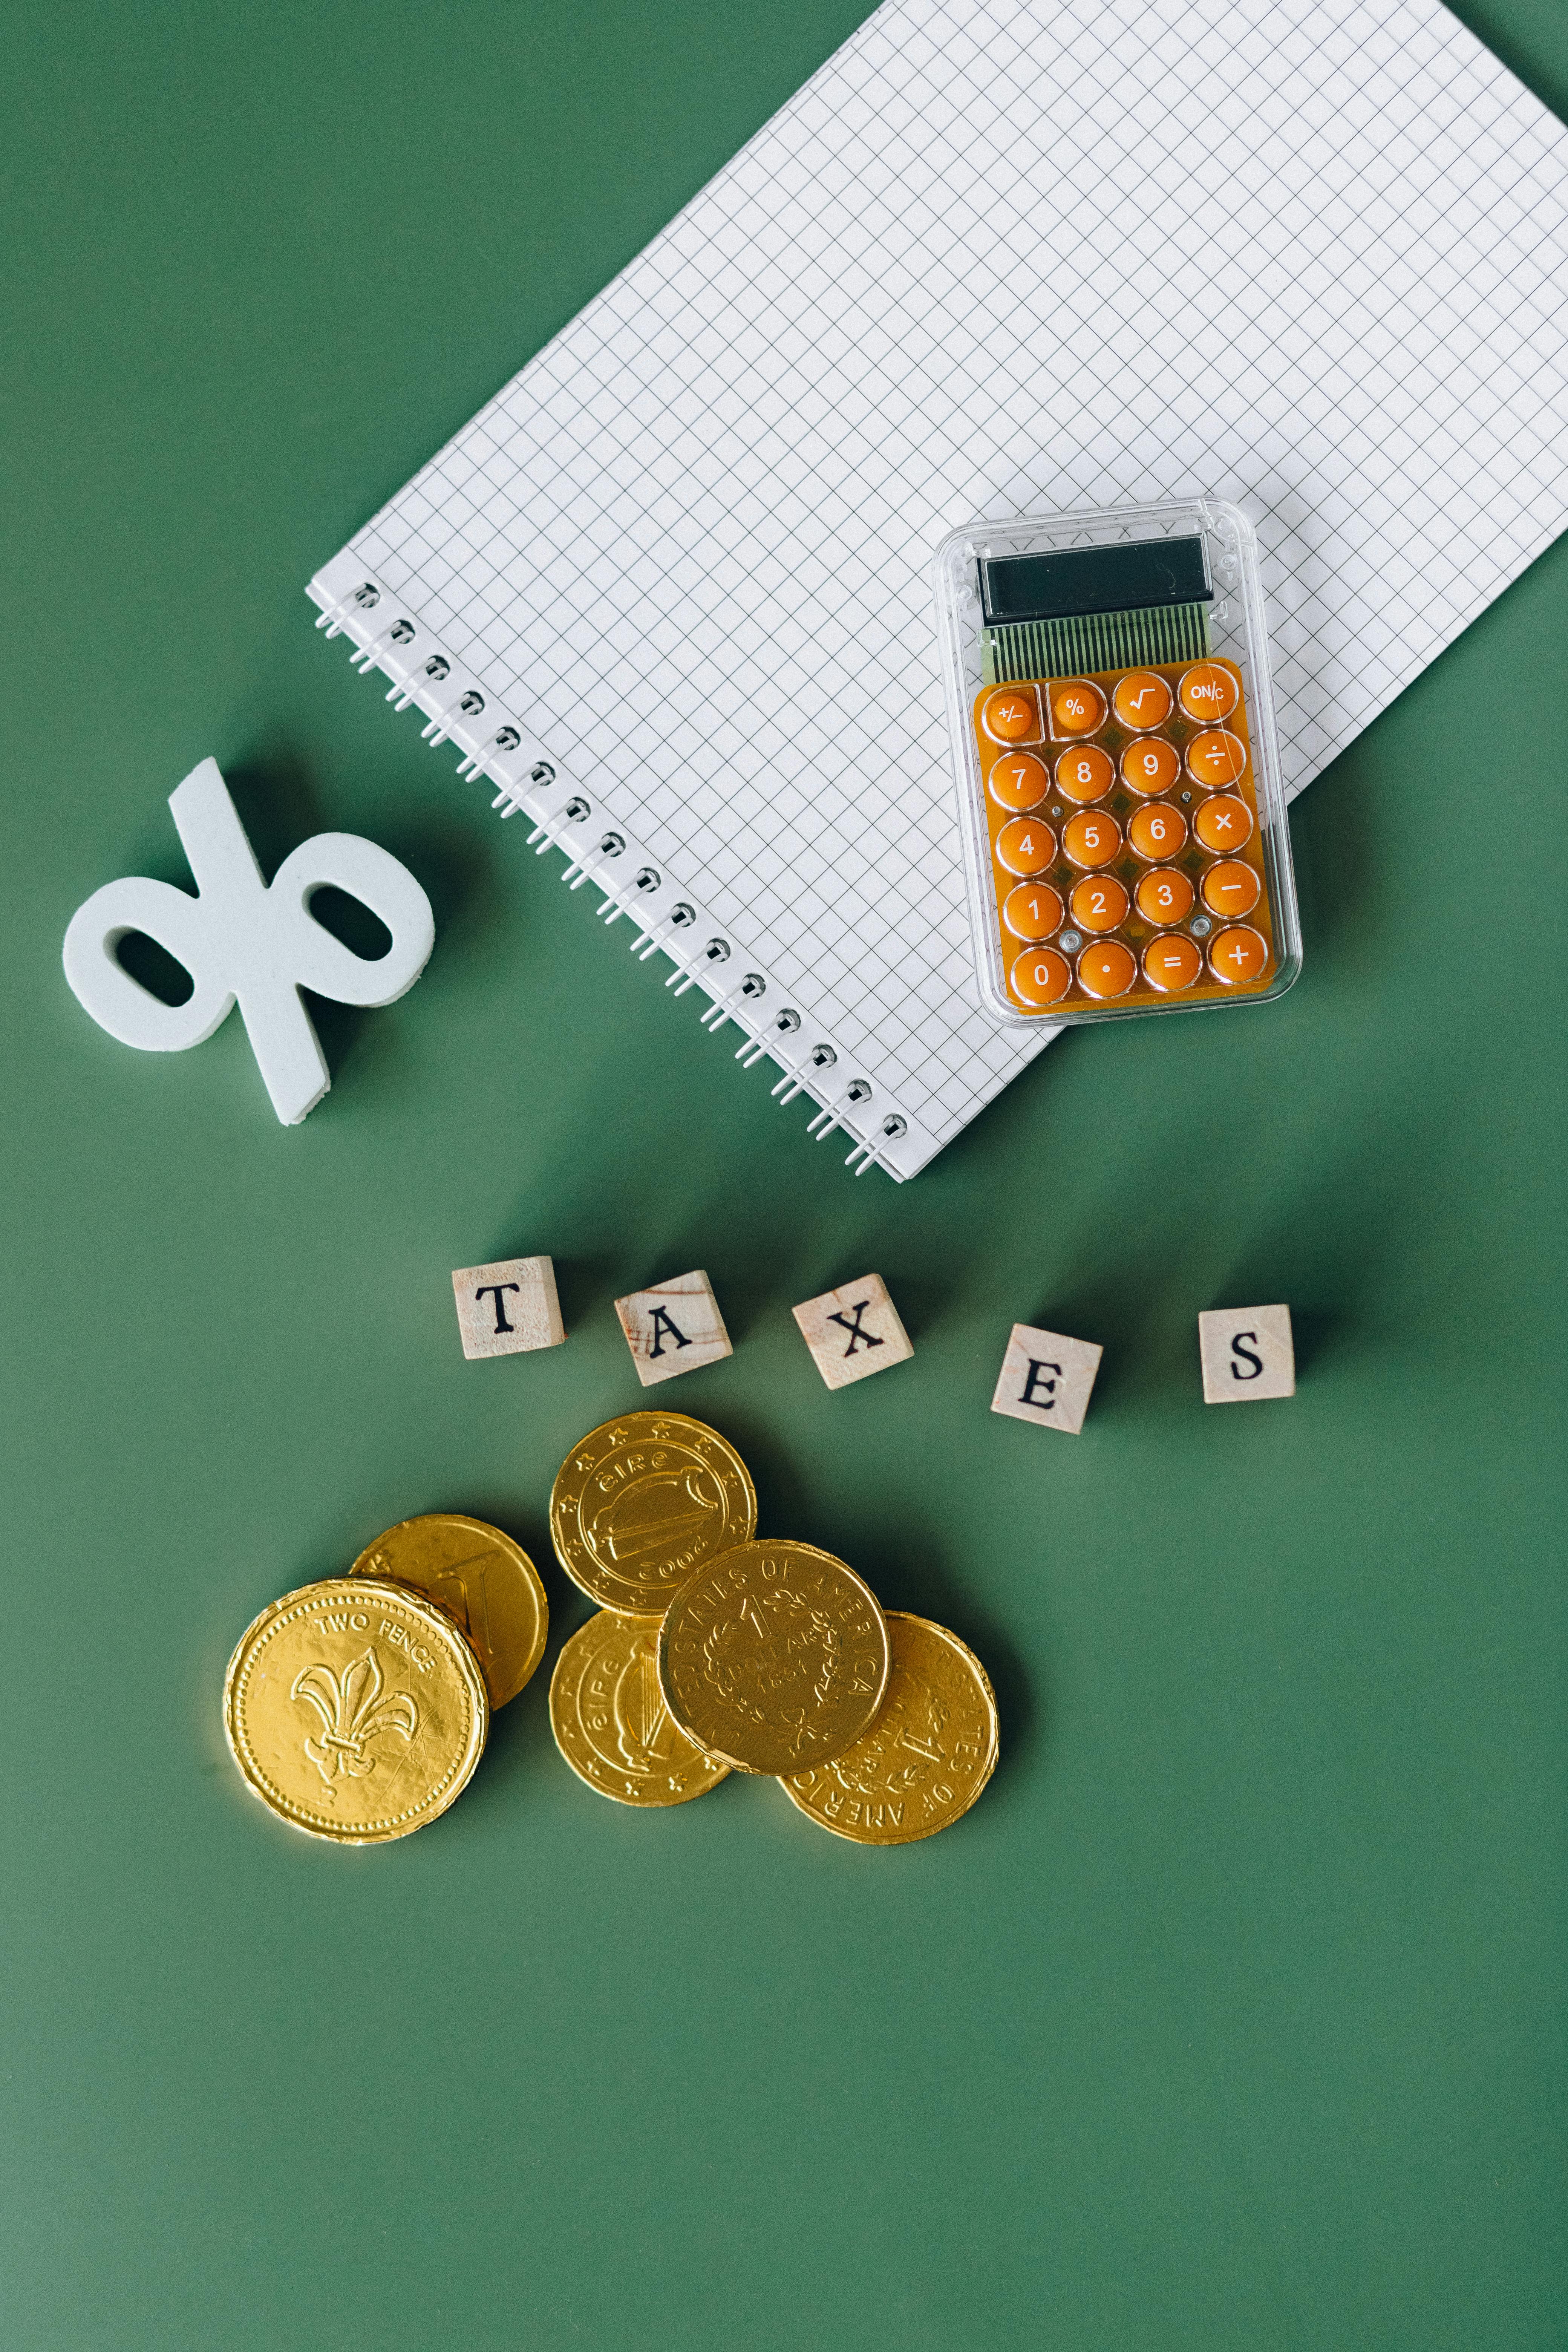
480, 1577
642, 1501
926, 1757
355, 1709
610, 1721
774, 1657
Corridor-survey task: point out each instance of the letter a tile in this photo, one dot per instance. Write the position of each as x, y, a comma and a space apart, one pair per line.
504, 1309
1047, 1379
854, 1332
1247, 1354
673, 1327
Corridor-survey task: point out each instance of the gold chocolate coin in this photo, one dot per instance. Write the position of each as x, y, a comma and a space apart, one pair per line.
610, 1721
355, 1709
644, 1500
773, 1656
480, 1577
927, 1757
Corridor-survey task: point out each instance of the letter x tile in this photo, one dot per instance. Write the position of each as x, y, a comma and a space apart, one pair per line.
854, 1332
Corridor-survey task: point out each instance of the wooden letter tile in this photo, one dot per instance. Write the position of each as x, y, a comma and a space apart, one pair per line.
505, 1308
854, 1332
1047, 1379
1246, 1353
673, 1327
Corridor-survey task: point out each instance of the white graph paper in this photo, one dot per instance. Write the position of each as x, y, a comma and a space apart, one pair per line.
996, 256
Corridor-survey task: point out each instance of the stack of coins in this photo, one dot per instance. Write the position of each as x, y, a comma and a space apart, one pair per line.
713, 1652
357, 1709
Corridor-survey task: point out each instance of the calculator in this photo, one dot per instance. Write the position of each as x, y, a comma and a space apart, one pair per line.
1124, 821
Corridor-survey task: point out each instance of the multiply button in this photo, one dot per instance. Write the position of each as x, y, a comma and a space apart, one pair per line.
1224, 823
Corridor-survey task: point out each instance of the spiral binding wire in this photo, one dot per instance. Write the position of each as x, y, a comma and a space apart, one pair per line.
698, 968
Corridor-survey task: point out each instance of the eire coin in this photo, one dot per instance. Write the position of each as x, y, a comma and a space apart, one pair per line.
355, 1709
773, 1656
610, 1721
480, 1577
927, 1757
642, 1501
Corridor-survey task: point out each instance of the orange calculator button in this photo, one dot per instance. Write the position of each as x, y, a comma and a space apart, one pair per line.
1098, 903
1165, 896
1032, 911
1041, 976
1085, 774
1076, 708
1224, 823
1019, 780
1151, 767
1157, 831
1231, 888
1217, 757
1208, 692
1091, 839
1010, 714
1237, 955
1107, 969
1171, 965
1026, 845
1141, 699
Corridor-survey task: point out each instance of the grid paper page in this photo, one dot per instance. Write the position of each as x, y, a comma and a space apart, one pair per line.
996, 256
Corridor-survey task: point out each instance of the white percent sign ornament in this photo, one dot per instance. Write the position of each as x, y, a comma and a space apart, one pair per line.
244, 940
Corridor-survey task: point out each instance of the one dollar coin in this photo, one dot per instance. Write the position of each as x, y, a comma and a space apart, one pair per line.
925, 1759
773, 1656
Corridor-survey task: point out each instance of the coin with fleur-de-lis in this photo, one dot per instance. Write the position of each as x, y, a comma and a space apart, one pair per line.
355, 1709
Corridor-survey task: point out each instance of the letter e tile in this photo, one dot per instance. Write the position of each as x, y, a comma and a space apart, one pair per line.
854, 1332
1247, 1354
505, 1308
1047, 1379
673, 1327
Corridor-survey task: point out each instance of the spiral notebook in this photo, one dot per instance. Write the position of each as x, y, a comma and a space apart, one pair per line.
670, 593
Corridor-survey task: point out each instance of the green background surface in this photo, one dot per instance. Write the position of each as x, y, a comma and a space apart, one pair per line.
1235, 2015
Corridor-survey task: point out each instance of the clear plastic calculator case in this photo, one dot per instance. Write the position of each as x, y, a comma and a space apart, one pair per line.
1114, 740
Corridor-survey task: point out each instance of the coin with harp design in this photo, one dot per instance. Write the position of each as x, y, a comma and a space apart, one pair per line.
642, 1501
